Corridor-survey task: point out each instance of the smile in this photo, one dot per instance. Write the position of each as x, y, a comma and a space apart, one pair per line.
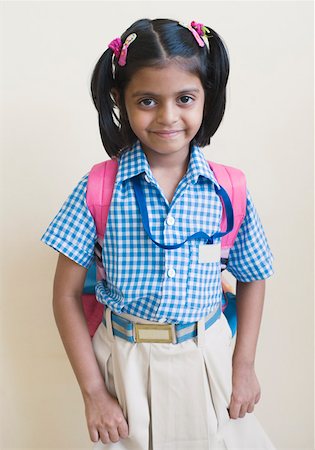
167, 134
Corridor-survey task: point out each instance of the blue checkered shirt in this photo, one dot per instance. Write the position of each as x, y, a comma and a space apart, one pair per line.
141, 278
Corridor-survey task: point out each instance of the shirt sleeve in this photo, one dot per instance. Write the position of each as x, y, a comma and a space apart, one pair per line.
72, 231
251, 258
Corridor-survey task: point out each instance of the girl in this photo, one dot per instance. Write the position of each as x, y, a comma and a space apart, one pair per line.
160, 94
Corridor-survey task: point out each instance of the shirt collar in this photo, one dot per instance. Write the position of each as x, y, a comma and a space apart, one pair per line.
133, 161
199, 166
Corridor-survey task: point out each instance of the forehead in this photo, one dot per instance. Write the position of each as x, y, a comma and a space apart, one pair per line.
163, 80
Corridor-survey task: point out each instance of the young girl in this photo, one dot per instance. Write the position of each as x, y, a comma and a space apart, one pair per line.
160, 94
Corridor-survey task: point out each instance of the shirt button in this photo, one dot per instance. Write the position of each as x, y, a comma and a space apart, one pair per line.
171, 273
170, 220
147, 179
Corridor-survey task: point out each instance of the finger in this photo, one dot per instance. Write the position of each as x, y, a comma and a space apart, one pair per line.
234, 409
94, 436
104, 437
251, 407
123, 430
113, 435
243, 409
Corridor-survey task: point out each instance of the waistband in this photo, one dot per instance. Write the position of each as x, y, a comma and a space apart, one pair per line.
136, 330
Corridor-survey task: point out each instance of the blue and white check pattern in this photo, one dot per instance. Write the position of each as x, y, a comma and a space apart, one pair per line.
141, 278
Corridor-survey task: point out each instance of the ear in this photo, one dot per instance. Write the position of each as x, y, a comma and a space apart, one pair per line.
115, 94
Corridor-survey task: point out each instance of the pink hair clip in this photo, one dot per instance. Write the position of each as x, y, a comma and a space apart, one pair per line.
198, 30
200, 41
123, 53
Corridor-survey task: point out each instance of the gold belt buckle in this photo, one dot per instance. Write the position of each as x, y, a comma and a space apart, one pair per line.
153, 333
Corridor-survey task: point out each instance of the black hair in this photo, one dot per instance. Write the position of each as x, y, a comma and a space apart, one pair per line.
159, 42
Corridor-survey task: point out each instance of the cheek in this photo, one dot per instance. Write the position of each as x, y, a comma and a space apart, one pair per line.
195, 119
138, 120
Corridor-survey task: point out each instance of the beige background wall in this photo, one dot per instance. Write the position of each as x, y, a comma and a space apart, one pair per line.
50, 139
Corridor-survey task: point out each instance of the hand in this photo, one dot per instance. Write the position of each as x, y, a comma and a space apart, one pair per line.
245, 390
105, 418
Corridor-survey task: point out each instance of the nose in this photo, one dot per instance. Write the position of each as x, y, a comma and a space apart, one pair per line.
167, 114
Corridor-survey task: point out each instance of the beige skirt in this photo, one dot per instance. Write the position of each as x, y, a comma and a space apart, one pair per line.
175, 396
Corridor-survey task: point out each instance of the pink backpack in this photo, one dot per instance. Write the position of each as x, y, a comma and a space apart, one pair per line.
99, 194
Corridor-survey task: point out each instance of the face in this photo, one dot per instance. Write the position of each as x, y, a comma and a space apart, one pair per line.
165, 108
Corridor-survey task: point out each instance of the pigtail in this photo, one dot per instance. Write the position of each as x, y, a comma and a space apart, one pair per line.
218, 59
102, 82
215, 82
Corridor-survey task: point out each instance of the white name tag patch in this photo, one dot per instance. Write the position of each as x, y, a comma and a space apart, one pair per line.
209, 253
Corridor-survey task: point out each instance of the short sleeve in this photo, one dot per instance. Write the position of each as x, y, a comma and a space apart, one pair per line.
251, 258
73, 232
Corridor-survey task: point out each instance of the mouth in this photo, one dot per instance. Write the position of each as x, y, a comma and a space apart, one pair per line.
167, 133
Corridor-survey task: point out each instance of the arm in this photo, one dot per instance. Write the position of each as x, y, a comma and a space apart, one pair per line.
245, 386
104, 416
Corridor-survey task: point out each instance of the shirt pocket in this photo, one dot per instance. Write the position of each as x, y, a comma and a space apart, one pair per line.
204, 280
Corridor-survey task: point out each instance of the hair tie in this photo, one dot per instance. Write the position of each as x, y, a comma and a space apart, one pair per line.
116, 45
120, 49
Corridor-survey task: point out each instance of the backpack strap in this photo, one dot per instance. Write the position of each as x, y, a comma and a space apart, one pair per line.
234, 182
99, 192
100, 187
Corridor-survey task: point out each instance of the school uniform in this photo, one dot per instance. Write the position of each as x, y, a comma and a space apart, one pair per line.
174, 395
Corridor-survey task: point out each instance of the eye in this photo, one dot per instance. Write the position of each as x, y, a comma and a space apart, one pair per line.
186, 99
147, 102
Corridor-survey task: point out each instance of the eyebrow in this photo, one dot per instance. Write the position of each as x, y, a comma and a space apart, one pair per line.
149, 94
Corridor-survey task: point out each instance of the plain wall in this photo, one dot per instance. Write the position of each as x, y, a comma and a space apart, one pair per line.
50, 139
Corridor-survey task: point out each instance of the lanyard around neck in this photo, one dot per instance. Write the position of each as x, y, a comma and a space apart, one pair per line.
225, 200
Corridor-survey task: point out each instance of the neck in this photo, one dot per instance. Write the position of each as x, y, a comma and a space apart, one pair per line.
175, 163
